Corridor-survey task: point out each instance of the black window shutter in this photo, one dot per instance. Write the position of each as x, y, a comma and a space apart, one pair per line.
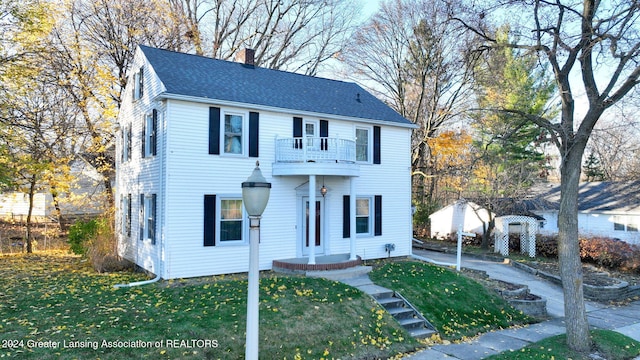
346, 217
324, 128
154, 133
377, 228
144, 136
254, 126
141, 82
209, 220
152, 222
129, 140
376, 144
123, 150
141, 217
297, 132
324, 133
214, 130
297, 126
128, 225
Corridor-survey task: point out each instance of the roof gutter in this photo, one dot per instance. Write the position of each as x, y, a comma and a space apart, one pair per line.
196, 99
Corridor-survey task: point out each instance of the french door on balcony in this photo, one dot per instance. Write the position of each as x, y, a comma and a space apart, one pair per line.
306, 239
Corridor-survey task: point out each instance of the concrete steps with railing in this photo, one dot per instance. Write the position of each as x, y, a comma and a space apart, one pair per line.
405, 314
394, 303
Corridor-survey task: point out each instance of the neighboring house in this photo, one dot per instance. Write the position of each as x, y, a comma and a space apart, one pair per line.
190, 131
86, 197
610, 209
471, 216
14, 205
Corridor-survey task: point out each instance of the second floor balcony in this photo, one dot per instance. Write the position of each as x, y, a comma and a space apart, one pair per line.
315, 155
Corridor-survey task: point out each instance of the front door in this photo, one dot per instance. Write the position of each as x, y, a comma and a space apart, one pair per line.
319, 230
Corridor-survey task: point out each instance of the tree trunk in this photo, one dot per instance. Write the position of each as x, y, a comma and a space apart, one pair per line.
487, 230
58, 210
32, 190
569, 252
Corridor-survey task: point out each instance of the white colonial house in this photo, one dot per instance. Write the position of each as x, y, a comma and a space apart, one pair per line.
190, 131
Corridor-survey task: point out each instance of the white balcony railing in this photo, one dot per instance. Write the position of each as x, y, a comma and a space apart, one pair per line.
315, 149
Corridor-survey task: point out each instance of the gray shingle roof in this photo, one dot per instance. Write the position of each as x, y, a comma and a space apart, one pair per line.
203, 77
604, 196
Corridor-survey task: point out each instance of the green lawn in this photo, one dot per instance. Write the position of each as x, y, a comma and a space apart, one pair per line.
56, 306
456, 305
608, 345
58, 301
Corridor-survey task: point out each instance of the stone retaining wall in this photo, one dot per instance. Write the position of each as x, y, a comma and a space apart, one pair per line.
619, 291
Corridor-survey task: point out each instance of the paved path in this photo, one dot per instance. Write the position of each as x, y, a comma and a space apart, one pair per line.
623, 319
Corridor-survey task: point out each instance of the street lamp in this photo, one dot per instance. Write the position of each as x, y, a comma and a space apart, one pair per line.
255, 195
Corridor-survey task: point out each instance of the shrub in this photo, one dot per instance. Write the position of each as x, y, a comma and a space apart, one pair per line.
421, 221
605, 252
80, 235
602, 251
96, 240
547, 246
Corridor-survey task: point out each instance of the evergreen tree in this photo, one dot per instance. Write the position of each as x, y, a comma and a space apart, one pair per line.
593, 169
509, 147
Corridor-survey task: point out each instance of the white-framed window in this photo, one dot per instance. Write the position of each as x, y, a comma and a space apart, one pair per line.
150, 136
311, 128
233, 130
126, 215
363, 215
147, 217
231, 224
626, 223
126, 143
150, 217
363, 144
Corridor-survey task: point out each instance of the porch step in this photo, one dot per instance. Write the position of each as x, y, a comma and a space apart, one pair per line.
421, 333
391, 303
405, 314
411, 323
400, 313
341, 274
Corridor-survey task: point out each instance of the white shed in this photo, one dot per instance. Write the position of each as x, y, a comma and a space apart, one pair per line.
470, 215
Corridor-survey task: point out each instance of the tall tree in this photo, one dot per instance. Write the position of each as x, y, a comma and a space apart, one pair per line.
615, 143
405, 55
28, 130
292, 35
510, 156
92, 45
600, 43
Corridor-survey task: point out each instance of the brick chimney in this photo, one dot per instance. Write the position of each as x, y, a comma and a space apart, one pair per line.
246, 56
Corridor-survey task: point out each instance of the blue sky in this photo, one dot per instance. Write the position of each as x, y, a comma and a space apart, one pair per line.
369, 7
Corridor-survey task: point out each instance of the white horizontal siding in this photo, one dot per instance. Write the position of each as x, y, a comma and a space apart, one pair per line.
191, 172
592, 224
139, 175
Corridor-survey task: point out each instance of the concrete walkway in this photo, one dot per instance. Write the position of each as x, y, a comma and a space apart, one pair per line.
623, 319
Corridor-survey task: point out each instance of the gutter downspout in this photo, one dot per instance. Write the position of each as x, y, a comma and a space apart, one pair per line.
137, 283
